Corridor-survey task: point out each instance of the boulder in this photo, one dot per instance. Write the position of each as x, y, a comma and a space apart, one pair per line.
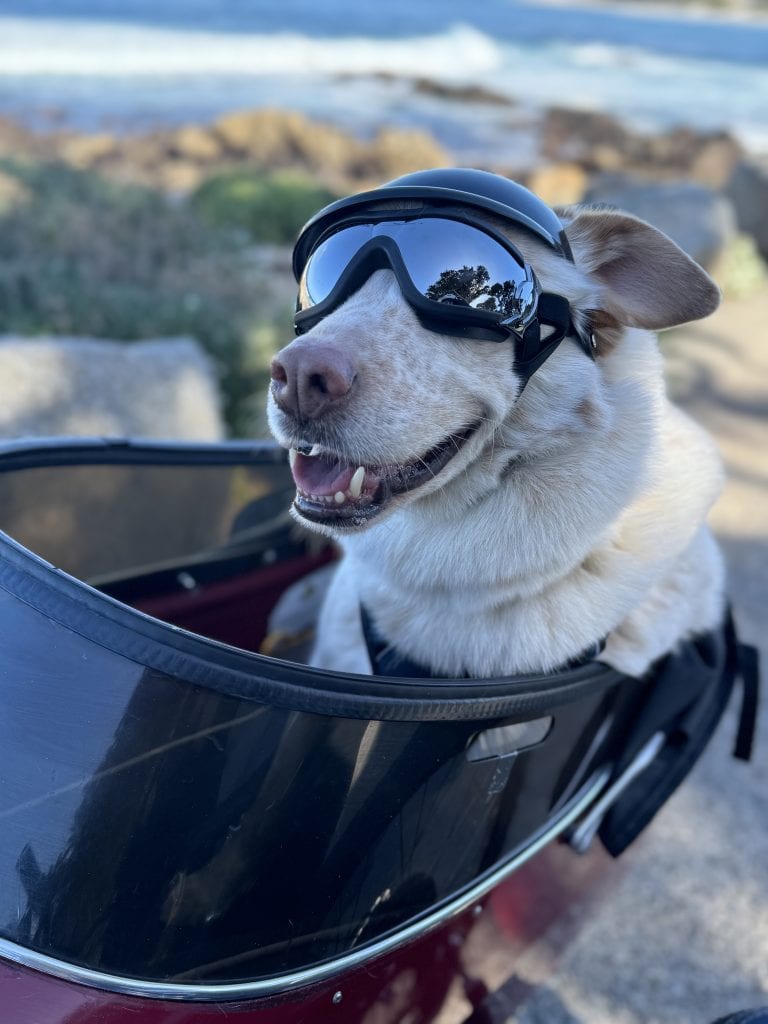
576, 135
466, 93
716, 159
395, 151
83, 387
285, 138
196, 143
699, 220
146, 151
15, 141
558, 184
748, 191
87, 150
707, 157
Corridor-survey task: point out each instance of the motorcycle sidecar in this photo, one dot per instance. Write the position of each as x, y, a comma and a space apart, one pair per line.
191, 829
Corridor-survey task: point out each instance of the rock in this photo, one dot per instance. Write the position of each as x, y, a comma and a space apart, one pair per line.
558, 184
461, 93
86, 150
707, 157
748, 191
601, 143
718, 156
195, 143
145, 151
326, 150
72, 386
394, 152
700, 221
284, 138
605, 158
573, 135
15, 141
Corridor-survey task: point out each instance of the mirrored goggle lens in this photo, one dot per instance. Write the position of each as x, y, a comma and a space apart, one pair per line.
447, 261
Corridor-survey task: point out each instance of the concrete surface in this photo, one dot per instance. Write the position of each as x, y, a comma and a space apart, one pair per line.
683, 937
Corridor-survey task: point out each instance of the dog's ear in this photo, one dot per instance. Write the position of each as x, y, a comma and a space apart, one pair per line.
647, 280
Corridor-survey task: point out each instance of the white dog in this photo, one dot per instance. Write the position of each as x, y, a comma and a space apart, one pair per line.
512, 529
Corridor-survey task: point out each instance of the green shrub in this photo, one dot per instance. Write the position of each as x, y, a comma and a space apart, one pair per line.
82, 256
270, 207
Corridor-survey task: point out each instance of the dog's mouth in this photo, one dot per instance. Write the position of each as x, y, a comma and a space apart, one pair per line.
334, 492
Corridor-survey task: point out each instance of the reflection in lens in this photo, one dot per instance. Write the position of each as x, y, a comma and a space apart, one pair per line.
328, 262
466, 286
469, 286
485, 276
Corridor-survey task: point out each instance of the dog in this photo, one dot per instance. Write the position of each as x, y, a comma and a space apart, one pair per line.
518, 522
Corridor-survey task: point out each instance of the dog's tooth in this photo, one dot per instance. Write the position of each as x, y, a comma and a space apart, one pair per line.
315, 449
356, 483
339, 497
292, 456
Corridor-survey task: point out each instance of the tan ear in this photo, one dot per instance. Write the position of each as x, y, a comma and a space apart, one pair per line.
647, 280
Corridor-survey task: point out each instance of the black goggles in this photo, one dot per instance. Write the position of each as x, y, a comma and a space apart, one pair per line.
459, 278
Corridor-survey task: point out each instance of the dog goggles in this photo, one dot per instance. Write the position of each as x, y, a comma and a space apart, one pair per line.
460, 279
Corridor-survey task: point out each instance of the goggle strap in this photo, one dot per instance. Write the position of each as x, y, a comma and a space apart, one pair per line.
530, 352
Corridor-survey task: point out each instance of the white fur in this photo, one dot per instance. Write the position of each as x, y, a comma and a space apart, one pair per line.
573, 514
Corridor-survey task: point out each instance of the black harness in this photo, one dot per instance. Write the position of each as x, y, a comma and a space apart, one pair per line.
681, 698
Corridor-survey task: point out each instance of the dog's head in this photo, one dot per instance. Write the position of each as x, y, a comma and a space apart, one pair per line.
380, 408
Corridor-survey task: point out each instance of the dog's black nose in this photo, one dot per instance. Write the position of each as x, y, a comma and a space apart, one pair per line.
310, 377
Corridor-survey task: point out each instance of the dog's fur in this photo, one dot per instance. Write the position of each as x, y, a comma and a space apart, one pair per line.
575, 513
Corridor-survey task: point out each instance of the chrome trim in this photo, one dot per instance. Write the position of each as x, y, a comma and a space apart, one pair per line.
311, 975
582, 834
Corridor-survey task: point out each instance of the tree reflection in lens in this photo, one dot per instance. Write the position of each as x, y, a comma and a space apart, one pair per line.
469, 287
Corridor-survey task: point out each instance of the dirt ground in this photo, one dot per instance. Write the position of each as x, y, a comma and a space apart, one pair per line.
683, 938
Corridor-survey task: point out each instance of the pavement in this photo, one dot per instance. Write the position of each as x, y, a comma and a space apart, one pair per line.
682, 936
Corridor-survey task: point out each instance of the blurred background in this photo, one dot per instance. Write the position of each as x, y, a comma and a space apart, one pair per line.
157, 158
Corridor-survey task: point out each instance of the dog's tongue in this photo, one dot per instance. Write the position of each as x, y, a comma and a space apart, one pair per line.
321, 474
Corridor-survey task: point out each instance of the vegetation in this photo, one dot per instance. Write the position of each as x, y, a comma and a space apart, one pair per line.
270, 207
83, 256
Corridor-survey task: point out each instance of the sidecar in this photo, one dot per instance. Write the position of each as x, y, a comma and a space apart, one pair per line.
194, 824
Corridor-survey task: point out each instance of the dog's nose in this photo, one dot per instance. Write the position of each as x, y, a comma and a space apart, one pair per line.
310, 377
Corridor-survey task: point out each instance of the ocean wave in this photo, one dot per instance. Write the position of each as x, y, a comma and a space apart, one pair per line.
111, 50
96, 72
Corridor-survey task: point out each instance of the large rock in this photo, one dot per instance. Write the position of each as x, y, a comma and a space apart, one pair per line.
285, 138
88, 150
558, 184
197, 143
717, 157
396, 151
748, 191
595, 140
71, 386
700, 221
705, 157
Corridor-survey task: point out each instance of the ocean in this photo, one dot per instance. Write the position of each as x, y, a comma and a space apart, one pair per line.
122, 66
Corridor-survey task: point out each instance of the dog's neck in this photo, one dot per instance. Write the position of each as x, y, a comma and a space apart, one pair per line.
551, 533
